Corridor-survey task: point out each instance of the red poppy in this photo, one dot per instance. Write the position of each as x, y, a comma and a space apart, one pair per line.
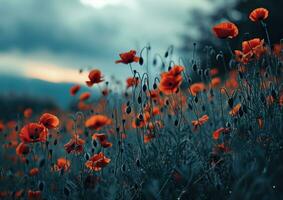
62, 164
170, 84
148, 137
102, 138
176, 70
253, 46
96, 122
33, 171
74, 89
84, 96
97, 162
34, 195
75, 145
216, 134
95, 77
22, 149
2, 126
33, 132
196, 88
28, 113
259, 14
225, 30
215, 82
49, 121
132, 81
128, 57
200, 121
213, 72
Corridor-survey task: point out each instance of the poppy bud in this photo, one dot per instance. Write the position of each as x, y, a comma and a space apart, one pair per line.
167, 102
94, 143
144, 87
176, 122
189, 80
166, 54
92, 150
138, 163
135, 71
154, 86
55, 142
141, 61
139, 99
123, 167
230, 102
154, 61
106, 83
206, 72
40, 185
196, 99
203, 108
129, 109
273, 94
200, 72
87, 156
66, 191
141, 117
228, 124
169, 68
219, 56
190, 106
128, 103
211, 92
195, 67
118, 129
241, 75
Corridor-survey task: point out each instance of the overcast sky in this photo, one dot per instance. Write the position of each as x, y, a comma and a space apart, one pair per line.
52, 39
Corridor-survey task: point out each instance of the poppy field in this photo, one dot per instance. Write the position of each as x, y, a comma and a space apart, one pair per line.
193, 132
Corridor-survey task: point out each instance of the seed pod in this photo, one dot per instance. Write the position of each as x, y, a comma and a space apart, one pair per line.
139, 99
94, 143
144, 88
129, 109
189, 80
154, 61
228, 124
200, 72
123, 167
154, 86
87, 156
55, 142
196, 99
138, 163
166, 54
231, 102
195, 67
206, 72
40, 185
169, 68
140, 116
176, 122
141, 61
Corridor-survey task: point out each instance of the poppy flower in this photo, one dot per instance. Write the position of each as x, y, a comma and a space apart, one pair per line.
33, 132
95, 77
97, 162
49, 121
102, 138
75, 145
215, 82
225, 30
28, 113
2, 126
235, 110
200, 121
253, 47
128, 57
259, 14
34, 195
148, 137
132, 81
213, 72
176, 70
22, 149
216, 134
74, 89
33, 171
84, 96
196, 88
169, 83
96, 122
62, 164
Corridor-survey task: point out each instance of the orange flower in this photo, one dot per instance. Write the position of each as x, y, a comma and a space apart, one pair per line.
197, 88
96, 122
235, 110
213, 72
85, 96
102, 138
33, 132
33, 171
200, 121
260, 122
148, 137
259, 14
176, 70
225, 30
22, 149
216, 134
62, 164
128, 57
170, 84
34, 195
28, 113
49, 121
215, 82
253, 46
132, 81
74, 89
95, 77
97, 162
75, 145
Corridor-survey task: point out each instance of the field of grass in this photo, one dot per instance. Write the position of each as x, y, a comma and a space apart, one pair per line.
165, 137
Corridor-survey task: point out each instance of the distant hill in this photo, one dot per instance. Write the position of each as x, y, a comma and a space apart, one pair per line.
57, 93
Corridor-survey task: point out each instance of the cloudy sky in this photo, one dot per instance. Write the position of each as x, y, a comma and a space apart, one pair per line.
51, 39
